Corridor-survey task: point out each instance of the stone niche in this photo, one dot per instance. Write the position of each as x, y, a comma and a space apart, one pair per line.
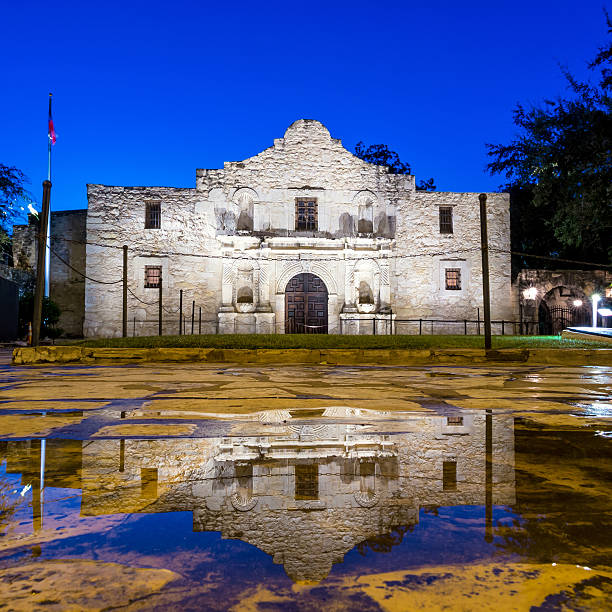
245, 308
367, 309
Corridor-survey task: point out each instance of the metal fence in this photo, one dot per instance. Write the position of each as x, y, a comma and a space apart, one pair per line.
463, 327
347, 326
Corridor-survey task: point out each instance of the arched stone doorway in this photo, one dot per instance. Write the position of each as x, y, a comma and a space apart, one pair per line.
306, 305
563, 307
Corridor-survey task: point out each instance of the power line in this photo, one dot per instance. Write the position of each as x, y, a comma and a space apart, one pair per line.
141, 251
93, 280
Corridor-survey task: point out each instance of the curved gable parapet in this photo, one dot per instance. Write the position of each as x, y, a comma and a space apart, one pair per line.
308, 130
308, 155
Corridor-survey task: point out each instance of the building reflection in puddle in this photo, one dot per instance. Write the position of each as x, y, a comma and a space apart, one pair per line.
304, 493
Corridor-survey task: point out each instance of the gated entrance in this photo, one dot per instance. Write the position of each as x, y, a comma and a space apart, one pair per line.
554, 320
306, 305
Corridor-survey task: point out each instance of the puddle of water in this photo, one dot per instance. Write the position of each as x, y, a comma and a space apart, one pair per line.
312, 515
474, 488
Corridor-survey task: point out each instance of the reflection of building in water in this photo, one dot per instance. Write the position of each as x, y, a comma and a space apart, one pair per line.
307, 493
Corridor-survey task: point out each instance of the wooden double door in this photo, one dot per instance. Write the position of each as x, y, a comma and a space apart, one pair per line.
306, 305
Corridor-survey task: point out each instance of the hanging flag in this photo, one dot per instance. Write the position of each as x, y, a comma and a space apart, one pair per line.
52, 137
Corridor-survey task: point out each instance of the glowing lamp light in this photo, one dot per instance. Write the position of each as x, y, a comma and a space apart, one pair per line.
605, 312
595, 297
530, 294
577, 303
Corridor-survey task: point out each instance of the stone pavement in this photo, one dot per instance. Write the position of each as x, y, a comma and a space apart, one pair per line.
195, 486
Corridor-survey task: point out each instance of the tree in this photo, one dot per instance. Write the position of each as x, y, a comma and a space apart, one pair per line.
559, 171
49, 318
381, 155
12, 191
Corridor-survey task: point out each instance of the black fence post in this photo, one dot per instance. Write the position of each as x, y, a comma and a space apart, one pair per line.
503, 326
465, 327
159, 316
125, 291
134, 328
478, 315
192, 315
420, 327
484, 245
200, 322
181, 312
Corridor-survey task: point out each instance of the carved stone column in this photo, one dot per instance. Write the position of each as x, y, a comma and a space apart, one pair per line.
227, 288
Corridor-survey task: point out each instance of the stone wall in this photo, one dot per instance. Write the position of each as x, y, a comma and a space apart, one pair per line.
66, 281
423, 254
236, 232
25, 245
67, 266
184, 247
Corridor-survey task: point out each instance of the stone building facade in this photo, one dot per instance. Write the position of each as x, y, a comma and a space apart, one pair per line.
303, 237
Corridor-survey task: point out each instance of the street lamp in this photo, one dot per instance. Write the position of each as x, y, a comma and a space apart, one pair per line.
531, 293
595, 297
577, 303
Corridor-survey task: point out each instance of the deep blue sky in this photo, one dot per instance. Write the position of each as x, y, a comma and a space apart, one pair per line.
146, 92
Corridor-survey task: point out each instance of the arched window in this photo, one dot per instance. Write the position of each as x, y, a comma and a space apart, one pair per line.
365, 224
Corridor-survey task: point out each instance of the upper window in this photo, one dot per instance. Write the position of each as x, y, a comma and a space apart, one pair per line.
446, 219
153, 215
152, 276
453, 279
306, 215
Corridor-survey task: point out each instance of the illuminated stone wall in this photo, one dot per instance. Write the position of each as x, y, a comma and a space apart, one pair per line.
236, 232
419, 275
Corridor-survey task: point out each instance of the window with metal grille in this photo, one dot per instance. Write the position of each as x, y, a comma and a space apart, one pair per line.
446, 219
449, 476
307, 481
456, 421
152, 276
453, 279
306, 215
152, 215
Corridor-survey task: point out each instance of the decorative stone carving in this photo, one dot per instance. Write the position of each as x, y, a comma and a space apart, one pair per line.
241, 503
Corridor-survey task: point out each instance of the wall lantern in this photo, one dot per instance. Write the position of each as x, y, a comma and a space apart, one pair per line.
531, 293
595, 297
577, 303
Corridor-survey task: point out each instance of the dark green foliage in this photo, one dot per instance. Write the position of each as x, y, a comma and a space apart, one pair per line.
12, 191
559, 172
50, 317
381, 155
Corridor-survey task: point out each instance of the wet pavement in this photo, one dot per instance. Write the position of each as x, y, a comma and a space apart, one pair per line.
195, 487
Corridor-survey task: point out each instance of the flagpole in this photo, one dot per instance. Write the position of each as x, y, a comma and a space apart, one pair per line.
49, 141
48, 243
42, 259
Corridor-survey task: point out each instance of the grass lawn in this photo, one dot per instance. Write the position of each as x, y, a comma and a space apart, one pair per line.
324, 341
